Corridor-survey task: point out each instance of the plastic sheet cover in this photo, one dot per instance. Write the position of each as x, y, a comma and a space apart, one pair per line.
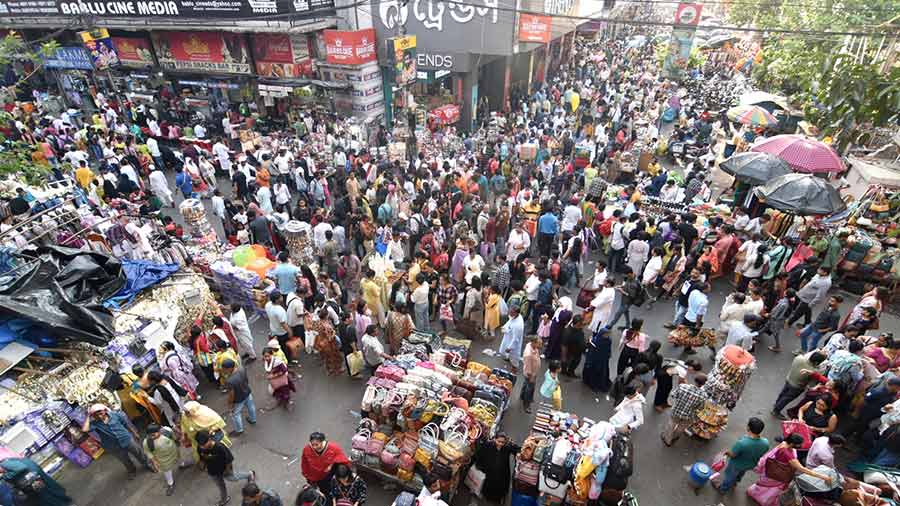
140, 275
63, 290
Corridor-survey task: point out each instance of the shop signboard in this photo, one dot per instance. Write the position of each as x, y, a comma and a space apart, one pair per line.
434, 60
69, 58
403, 59
134, 51
535, 28
350, 48
151, 9
100, 46
280, 55
480, 26
212, 52
688, 14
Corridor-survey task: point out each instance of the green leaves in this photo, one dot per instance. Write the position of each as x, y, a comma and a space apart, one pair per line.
835, 79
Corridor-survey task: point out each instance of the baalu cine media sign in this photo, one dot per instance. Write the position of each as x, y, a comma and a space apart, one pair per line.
161, 8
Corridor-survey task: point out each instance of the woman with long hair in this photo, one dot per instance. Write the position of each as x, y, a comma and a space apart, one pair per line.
633, 343
875, 298
180, 370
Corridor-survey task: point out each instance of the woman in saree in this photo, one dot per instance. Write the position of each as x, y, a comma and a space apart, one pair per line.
711, 258
224, 352
197, 417
398, 327
326, 344
203, 352
279, 378
886, 356
177, 368
726, 249
777, 469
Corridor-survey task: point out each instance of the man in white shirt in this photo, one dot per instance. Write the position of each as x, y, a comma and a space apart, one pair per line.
221, 151
617, 242
199, 131
283, 161
296, 312
155, 153
513, 334
128, 170
571, 215
340, 159
741, 333
629, 414
518, 242
531, 287
319, 234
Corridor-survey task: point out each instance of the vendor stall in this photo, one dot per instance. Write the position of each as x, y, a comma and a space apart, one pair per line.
426, 417
723, 388
570, 459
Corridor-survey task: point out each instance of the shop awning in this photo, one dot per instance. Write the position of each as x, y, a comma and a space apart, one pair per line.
300, 83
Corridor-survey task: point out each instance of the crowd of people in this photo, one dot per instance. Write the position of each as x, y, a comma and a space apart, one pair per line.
496, 246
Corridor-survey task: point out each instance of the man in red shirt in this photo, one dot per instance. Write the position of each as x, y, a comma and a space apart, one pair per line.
318, 460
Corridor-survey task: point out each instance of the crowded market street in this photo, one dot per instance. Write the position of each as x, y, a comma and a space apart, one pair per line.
474, 253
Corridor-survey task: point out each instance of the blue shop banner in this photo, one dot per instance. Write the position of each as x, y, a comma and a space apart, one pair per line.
70, 58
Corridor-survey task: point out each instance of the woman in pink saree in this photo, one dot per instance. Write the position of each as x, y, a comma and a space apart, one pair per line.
776, 470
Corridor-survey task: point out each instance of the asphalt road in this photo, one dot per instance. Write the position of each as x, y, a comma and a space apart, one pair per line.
272, 447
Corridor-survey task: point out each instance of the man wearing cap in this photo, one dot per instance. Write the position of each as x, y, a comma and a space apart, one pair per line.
219, 464
318, 460
239, 396
116, 436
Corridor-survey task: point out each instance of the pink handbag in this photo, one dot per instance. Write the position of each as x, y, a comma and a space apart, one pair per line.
360, 440
797, 427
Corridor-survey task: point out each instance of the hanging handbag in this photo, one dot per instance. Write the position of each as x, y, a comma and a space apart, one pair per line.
528, 471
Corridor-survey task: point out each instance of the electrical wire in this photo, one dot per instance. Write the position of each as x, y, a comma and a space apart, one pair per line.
768, 4
323, 12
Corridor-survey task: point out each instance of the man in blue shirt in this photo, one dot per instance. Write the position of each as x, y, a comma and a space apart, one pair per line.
285, 274
116, 436
548, 227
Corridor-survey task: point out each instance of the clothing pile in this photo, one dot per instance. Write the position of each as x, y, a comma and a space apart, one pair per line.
441, 413
683, 336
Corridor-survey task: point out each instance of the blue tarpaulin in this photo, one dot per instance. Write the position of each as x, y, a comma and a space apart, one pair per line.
139, 274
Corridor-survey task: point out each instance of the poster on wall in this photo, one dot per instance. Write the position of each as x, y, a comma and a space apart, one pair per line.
535, 28
281, 55
687, 16
202, 51
679, 52
403, 59
100, 47
350, 48
134, 51
206, 10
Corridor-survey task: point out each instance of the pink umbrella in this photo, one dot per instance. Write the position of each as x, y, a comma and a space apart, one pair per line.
802, 153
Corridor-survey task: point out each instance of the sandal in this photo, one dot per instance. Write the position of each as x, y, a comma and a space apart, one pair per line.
776, 349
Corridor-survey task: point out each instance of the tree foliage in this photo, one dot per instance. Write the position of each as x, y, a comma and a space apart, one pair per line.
840, 80
15, 156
